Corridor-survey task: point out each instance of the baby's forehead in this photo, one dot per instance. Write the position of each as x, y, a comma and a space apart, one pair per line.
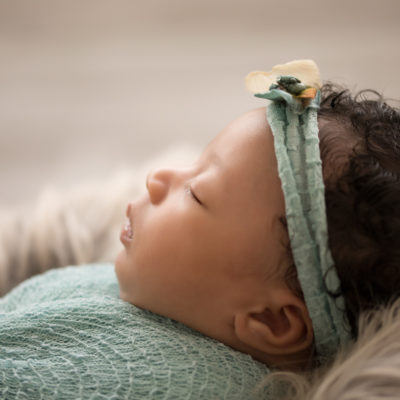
247, 137
244, 156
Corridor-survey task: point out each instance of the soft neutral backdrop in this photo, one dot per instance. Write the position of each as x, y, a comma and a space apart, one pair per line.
89, 87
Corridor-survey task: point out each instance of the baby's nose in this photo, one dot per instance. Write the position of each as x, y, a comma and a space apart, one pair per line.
158, 183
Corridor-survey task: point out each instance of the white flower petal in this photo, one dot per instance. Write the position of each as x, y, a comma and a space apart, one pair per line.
259, 81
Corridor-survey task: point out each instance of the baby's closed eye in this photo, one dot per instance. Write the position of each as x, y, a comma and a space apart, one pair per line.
194, 196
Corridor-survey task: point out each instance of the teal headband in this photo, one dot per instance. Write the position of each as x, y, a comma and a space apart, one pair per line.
292, 116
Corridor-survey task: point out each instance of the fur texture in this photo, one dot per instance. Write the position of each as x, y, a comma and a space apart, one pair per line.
371, 371
367, 370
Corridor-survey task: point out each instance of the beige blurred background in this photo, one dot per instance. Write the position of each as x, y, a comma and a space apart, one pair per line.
91, 86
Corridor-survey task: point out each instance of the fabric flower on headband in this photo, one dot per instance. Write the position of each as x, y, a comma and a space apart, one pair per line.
305, 71
297, 82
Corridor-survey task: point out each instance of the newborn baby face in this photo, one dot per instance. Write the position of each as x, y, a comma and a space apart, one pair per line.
206, 241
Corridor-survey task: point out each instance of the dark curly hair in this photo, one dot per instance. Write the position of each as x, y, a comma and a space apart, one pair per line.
360, 152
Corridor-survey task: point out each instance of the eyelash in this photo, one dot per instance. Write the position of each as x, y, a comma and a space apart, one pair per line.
193, 195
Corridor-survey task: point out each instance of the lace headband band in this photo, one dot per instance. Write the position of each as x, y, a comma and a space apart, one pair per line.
292, 116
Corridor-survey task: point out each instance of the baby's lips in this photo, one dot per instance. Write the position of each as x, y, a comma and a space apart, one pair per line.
126, 234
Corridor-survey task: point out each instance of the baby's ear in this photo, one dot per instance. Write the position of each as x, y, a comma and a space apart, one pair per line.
278, 326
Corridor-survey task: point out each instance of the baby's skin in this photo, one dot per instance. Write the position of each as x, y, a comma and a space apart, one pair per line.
206, 246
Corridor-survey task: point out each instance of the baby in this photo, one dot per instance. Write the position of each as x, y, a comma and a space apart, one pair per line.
209, 245
273, 242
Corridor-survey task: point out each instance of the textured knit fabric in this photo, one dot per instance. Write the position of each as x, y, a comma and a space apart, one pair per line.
66, 334
295, 128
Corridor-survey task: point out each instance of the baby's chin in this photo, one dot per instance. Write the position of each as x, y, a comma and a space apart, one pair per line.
124, 273
121, 272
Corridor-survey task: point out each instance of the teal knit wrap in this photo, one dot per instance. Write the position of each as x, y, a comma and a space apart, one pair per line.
66, 334
295, 129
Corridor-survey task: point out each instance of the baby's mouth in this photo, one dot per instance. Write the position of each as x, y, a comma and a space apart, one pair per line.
128, 228
126, 232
